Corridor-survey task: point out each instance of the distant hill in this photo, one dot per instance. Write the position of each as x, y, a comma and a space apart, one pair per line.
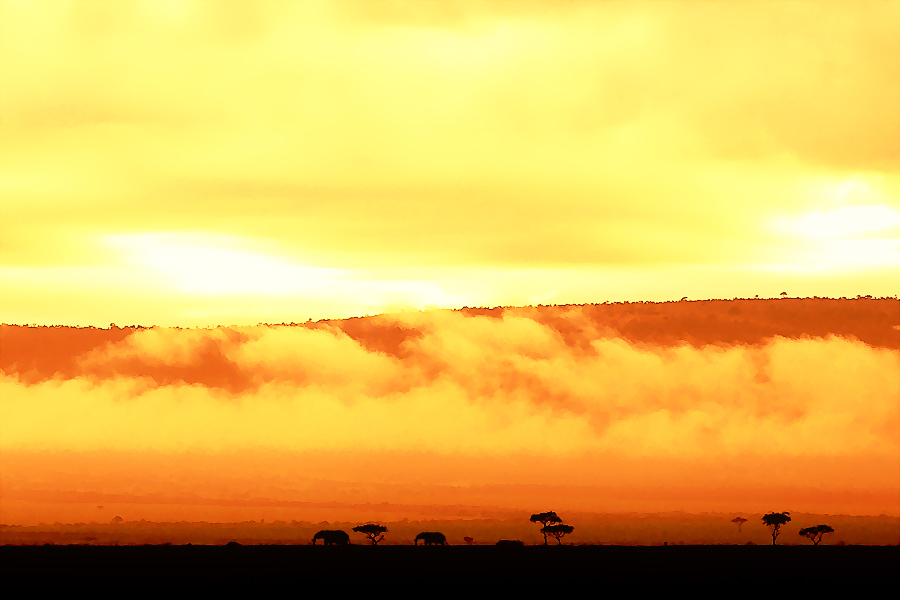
40, 353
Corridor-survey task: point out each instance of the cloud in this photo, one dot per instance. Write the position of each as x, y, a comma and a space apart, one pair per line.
275, 162
451, 383
475, 135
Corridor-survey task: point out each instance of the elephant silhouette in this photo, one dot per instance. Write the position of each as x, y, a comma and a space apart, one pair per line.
431, 538
332, 537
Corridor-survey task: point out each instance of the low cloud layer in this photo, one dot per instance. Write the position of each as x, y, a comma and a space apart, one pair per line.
553, 382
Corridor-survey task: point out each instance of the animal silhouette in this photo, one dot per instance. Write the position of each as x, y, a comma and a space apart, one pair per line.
431, 538
332, 537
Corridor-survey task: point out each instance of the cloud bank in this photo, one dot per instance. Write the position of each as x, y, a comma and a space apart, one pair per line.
543, 385
455, 383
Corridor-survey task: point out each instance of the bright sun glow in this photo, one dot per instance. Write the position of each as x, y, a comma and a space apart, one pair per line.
212, 265
855, 236
859, 253
846, 221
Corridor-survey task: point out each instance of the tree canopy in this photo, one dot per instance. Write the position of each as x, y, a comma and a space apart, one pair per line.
557, 531
816, 532
374, 532
775, 521
545, 519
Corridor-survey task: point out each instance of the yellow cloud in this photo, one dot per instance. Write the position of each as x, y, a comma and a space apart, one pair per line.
403, 138
458, 384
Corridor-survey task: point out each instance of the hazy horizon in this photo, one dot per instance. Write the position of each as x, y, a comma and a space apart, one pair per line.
744, 405
644, 529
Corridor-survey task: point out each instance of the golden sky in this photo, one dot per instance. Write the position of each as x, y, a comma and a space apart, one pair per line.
202, 163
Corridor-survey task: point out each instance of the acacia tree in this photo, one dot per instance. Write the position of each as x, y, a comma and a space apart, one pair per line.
775, 521
374, 532
545, 519
557, 531
815, 533
740, 521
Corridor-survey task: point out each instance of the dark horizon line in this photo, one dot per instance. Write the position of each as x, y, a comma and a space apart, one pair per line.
364, 544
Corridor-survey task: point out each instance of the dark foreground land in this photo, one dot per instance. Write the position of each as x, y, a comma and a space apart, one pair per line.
798, 567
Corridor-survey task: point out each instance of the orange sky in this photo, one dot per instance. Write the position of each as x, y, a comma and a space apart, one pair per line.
200, 163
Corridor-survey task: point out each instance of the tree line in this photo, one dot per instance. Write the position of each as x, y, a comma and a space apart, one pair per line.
775, 520
551, 526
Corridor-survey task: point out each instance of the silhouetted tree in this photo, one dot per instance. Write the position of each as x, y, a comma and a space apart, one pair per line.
775, 521
740, 521
816, 532
468, 540
375, 533
545, 519
557, 531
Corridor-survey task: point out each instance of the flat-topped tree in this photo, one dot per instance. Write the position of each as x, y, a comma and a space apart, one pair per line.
740, 521
816, 532
775, 521
545, 519
557, 531
374, 532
